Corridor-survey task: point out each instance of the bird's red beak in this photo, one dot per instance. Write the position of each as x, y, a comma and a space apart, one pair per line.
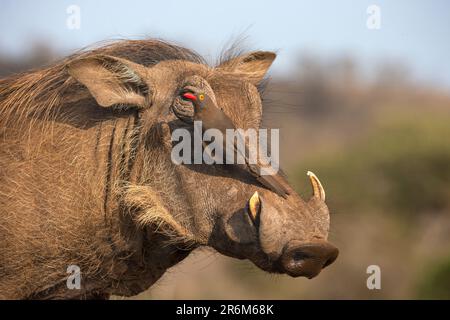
189, 96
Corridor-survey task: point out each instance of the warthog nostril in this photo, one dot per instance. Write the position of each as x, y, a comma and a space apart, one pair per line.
299, 255
307, 259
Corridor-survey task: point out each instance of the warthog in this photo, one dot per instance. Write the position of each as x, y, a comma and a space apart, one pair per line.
86, 176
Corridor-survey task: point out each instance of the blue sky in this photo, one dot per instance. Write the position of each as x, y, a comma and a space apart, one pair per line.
413, 32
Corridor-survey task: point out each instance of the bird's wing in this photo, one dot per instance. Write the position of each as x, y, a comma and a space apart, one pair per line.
219, 120
275, 182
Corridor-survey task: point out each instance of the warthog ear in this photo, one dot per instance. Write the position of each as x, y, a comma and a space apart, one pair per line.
252, 66
111, 80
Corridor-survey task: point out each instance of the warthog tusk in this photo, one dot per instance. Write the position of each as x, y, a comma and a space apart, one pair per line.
254, 206
318, 191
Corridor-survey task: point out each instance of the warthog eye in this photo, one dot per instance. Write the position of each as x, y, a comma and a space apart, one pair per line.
183, 109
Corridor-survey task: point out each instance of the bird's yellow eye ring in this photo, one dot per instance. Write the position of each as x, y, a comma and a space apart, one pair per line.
201, 97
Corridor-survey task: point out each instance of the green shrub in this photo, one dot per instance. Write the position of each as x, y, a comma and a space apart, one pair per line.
404, 167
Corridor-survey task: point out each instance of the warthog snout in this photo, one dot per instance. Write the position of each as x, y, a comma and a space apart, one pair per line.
290, 233
307, 259
279, 235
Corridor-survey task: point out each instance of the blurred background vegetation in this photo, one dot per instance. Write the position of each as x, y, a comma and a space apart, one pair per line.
381, 147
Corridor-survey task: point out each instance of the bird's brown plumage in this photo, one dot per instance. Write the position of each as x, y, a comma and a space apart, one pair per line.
212, 117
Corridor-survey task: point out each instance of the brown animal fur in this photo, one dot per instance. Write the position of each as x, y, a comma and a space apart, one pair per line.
90, 185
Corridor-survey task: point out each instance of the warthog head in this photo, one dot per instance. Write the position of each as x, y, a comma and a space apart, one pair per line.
221, 206
87, 176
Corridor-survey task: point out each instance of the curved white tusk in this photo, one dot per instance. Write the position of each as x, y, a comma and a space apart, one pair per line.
254, 206
318, 191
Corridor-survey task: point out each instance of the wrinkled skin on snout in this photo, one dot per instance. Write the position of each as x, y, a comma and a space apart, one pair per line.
88, 178
286, 236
